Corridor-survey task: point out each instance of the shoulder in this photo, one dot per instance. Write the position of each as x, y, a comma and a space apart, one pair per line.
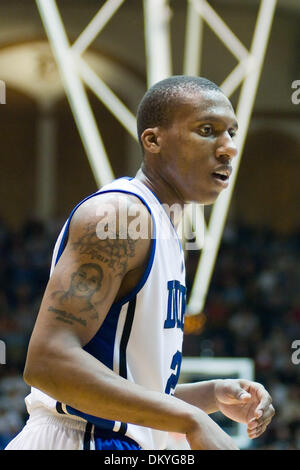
117, 223
111, 205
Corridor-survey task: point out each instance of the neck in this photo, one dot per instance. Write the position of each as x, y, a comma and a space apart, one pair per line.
172, 202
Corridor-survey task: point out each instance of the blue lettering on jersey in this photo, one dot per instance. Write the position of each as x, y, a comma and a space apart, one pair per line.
173, 379
176, 305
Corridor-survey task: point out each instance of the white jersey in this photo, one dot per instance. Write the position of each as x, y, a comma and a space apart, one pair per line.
141, 336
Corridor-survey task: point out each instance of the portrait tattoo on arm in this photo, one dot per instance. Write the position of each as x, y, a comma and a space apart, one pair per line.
84, 283
87, 279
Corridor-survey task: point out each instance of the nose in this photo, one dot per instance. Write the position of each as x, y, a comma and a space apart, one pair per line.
227, 149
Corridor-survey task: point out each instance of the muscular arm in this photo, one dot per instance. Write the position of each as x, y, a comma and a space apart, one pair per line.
87, 279
200, 394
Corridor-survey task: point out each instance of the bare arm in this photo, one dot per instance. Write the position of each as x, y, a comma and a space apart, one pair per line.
200, 394
80, 292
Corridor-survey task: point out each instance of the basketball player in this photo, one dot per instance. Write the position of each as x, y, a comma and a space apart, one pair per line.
105, 354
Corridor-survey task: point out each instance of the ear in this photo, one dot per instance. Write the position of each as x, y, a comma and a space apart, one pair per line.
151, 140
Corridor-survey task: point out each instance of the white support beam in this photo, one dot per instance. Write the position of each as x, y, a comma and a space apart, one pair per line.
94, 28
157, 40
108, 98
75, 91
258, 50
46, 141
244, 110
221, 29
238, 74
193, 224
193, 41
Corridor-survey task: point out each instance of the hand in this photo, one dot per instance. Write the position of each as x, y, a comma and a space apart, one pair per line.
245, 402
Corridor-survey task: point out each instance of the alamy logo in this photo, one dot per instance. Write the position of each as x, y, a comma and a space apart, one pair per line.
123, 222
296, 95
296, 354
2, 92
2, 352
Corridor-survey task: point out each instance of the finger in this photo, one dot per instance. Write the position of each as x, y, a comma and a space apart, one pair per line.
267, 415
254, 422
252, 435
232, 390
257, 432
265, 401
261, 431
259, 422
239, 392
244, 387
254, 426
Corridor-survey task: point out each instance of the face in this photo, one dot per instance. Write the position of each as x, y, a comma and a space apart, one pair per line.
85, 281
197, 149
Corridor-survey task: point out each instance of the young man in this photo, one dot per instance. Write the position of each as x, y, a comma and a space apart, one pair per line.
105, 354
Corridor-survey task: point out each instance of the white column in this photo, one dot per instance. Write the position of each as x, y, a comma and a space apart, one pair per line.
157, 40
46, 138
193, 41
2, 92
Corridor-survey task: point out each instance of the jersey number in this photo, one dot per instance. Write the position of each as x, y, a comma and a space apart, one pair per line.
175, 366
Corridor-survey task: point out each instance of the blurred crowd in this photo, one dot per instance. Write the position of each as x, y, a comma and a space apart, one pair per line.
24, 270
252, 310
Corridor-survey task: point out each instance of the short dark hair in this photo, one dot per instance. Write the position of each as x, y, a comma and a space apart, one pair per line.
160, 101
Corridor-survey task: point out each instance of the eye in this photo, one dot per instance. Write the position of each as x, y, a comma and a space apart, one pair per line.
232, 132
206, 130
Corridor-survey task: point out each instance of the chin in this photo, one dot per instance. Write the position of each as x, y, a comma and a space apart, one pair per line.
205, 199
210, 201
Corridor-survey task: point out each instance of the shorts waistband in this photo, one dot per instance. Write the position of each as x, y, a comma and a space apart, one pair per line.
42, 416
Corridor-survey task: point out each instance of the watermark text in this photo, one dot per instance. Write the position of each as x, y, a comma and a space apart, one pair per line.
296, 353
123, 221
296, 94
2, 352
2, 92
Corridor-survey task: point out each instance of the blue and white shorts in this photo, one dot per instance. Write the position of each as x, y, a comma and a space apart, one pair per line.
46, 431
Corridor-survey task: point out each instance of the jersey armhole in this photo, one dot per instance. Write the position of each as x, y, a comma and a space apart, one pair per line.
147, 271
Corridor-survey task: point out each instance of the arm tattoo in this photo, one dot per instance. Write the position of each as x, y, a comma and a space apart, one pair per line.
66, 317
112, 251
87, 280
84, 283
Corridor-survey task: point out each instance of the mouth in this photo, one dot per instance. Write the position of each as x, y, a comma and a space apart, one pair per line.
221, 176
82, 287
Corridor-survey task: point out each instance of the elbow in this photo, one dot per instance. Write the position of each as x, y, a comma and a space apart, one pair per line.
45, 368
36, 368
28, 374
